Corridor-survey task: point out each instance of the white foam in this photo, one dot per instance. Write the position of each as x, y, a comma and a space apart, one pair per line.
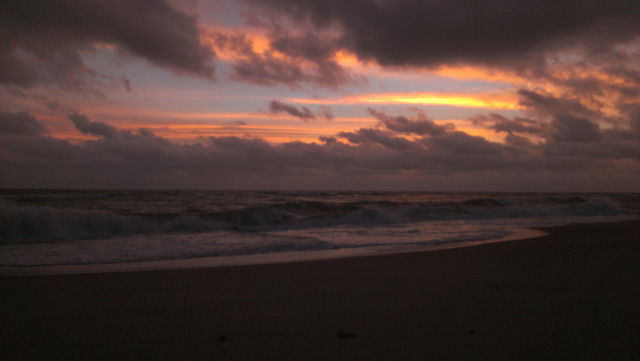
253, 259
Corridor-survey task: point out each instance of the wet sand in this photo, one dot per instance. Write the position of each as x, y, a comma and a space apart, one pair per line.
571, 295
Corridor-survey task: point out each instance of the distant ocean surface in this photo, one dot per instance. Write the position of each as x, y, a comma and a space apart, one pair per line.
63, 227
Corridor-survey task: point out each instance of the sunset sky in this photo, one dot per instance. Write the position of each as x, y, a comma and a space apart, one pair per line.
426, 95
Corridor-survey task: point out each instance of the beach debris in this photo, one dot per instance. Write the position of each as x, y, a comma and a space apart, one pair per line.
342, 333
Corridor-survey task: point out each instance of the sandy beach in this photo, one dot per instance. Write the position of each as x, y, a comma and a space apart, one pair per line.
571, 295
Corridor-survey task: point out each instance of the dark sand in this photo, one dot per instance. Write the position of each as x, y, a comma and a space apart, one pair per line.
573, 295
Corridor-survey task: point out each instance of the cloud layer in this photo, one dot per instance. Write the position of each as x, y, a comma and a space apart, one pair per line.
382, 152
582, 47
303, 113
42, 41
425, 33
291, 59
573, 114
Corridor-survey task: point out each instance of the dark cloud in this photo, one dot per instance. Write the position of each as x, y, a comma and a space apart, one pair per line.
502, 124
22, 135
84, 125
328, 140
126, 82
518, 141
568, 128
461, 143
307, 60
557, 119
549, 106
325, 112
318, 50
632, 132
351, 159
21, 123
607, 149
421, 125
585, 50
53, 105
276, 107
141, 147
263, 69
269, 70
42, 40
39, 148
312, 47
304, 113
376, 136
602, 74
427, 33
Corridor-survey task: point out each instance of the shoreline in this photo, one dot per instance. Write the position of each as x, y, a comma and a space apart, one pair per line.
571, 294
253, 259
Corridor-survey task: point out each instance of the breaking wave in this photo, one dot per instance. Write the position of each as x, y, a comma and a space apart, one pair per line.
36, 222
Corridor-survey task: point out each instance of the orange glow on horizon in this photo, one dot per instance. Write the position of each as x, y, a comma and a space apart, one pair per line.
466, 100
273, 133
193, 133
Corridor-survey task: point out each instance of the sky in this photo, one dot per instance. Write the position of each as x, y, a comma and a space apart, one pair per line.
406, 95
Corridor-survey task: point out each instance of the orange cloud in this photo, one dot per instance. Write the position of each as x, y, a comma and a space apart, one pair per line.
258, 41
469, 72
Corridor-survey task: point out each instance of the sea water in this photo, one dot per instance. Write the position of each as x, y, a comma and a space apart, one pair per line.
97, 227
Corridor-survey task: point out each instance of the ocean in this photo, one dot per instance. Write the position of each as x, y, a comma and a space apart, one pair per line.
125, 227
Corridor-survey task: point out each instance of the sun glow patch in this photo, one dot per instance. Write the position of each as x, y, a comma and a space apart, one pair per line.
480, 100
